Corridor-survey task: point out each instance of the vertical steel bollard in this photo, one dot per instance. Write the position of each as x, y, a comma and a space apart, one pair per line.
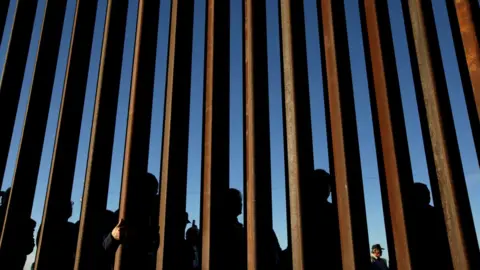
465, 26
394, 164
175, 137
343, 128
442, 140
216, 137
258, 186
139, 122
13, 73
94, 199
298, 130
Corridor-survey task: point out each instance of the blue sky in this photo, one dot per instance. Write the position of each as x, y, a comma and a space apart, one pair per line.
365, 130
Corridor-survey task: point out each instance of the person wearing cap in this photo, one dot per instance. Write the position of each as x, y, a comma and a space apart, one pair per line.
378, 263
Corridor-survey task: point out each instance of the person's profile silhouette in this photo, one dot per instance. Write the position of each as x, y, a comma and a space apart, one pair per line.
431, 243
320, 224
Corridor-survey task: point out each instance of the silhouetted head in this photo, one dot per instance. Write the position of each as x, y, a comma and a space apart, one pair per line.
150, 184
65, 210
421, 194
377, 250
32, 224
234, 203
321, 183
193, 233
109, 218
147, 189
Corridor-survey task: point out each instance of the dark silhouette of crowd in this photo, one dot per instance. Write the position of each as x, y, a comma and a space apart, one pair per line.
67, 233
140, 235
15, 255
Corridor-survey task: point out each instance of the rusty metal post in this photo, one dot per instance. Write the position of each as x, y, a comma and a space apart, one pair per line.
31, 144
258, 187
13, 73
139, 120
393, 156
3, 16
423, 121
465, 26
97, 176
298, 130
216, 124
68, 132
175, 136
345, 145
432, 94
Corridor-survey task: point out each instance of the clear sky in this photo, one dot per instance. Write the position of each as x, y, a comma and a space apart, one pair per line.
365, 130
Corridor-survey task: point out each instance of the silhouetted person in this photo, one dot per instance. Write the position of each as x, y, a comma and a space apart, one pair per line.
14, 254
234, 245
61, 247
139, 235
320, 227
193, 246
233, 234
377, 262
431, 246
103, 225
190, 255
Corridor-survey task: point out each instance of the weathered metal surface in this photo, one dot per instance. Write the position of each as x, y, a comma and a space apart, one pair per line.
432, 91
13, 73
64, 158
390, 132
343, 128
94, 199
31, 144
139, 121
465, 26
298, 130
175, 136
441, 146
258, 193
216, 137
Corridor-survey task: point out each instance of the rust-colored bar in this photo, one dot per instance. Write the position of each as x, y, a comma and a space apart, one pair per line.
343, 126
432, 93
390, 132
138, 126
68, 132
31, 144
94, 199
3, 16
258, 187
175, 136
298, 130
465, 31
13, 73
216, 138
